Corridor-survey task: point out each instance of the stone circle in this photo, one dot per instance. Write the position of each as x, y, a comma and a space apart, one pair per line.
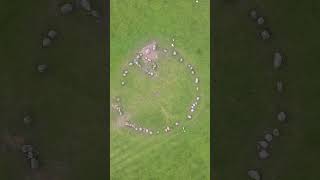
146, 61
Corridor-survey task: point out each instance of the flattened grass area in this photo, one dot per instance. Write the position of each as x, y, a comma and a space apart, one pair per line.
246, 101
67, 102
166, 156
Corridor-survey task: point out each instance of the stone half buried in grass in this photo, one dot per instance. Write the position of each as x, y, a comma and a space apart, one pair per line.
260, 20
27, 120
263, 144
276, 132
268, 137
280, 86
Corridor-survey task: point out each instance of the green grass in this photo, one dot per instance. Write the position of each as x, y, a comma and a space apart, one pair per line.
165, 156
67, 102
245, 97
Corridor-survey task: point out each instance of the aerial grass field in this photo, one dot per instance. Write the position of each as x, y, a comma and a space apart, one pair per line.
67, 102
245, 97
160, 101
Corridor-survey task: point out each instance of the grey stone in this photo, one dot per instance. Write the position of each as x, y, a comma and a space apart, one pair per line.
66, 8
263, 144
34, 163
268, 137
276, 132
85, 4
42, 68
260, 21
263, 154
253, 14
254, 174
26, 148
52, 34
279, 86
265, 35
46, 42
277, 60
282, 116
27, 120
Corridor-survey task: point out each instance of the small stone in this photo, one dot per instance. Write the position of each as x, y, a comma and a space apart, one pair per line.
192, 72
282, 116
140, 129
172, 45
130, 64
124, 74
196, 80
158, 132
136, 129
268, 137
34, 163
197, 88
177, 124
27, 120
263, 154
265, 35
181, 60
85, 4
276, 132
198, 98
260, 21
46, 42
42, 68
254, 174
277, 60
191, 110
118, 99
150, 132
279, 86
52, 34
197, 1
66, 8
174, 53
95, 14
165, 50
147, 130
123, 83
253, 14
263, 144
173, 39
26, 148
189, 116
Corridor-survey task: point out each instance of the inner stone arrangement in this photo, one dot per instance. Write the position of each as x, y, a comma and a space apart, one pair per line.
159, 83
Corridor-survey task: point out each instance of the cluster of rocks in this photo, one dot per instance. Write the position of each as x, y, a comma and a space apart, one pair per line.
264, 145
264, 32
139, 129
31, 155
68, 8
50, 36
117, 106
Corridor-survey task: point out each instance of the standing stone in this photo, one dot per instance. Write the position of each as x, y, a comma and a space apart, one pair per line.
254, 174
46, 42
277, 60
66, 8
280, 86
282, 116
42, 68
